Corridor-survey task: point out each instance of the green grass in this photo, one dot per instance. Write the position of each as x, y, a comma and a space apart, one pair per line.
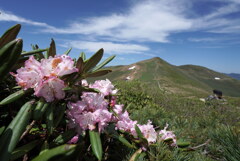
190, 119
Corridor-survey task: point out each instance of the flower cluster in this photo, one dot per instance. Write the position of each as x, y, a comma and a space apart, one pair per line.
44, 76
95, 111
92, 110
126, 124
168, 135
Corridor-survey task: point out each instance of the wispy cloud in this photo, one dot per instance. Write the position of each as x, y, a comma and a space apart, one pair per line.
7, 16
146, 21
109, 47
155, 21
206, 39
217, 21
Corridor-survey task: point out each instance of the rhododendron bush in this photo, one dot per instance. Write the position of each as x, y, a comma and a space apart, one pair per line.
57, 114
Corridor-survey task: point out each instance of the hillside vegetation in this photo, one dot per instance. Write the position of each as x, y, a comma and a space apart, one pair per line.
212, 128
187, 80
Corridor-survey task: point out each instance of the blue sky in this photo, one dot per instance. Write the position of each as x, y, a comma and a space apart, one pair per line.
199, 32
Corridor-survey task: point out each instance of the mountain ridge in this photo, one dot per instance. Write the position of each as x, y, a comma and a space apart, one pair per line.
185, 79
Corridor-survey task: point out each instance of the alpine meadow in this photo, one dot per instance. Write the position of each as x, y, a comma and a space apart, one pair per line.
129, 80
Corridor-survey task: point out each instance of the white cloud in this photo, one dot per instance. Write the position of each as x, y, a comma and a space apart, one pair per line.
205, 39
146, 21
109, 47
217, 21
154, 21
7, 16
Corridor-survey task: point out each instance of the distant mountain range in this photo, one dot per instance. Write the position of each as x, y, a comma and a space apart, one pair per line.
234, 75
189, 80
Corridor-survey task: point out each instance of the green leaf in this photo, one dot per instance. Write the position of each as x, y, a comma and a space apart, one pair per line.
182, 144
37, 111
65, 137
80, 64
60, 110
49, 118
11, 59
41, 112
10, 35
6, 49
93, 61
83, 56
86, 89
98, 73
125, 142
135, 156
58, 151
2, 130
104, 63
68, 51
45, 147
23, 149
38, 51
139, 133
96, 144
13, 132
13, 97
52, 49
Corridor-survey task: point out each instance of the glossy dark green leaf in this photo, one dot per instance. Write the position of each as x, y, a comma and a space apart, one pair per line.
54, 152
105, 62
10, 35
139, 133
6, 49
52, 49
125, 142
13, 132
2, 129
18, 152
83, 56
96, 144
182, 143
37, 113
49, 118
80, 65
98, 73
60, 110
64, 137
44, 147
86, 89
13, 97
33, 52
68, 51
93, 61
11, 59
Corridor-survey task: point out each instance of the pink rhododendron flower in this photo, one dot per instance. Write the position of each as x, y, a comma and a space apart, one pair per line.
51, 89
104, 86
87, 120
59, 66
103, 117
74, 140
148, 132
43, 76
30, 75
94, 101
123, 121
166, 135
84, 82
89, 113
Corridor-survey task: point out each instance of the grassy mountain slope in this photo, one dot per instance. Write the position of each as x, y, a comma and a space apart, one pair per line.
187, 80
